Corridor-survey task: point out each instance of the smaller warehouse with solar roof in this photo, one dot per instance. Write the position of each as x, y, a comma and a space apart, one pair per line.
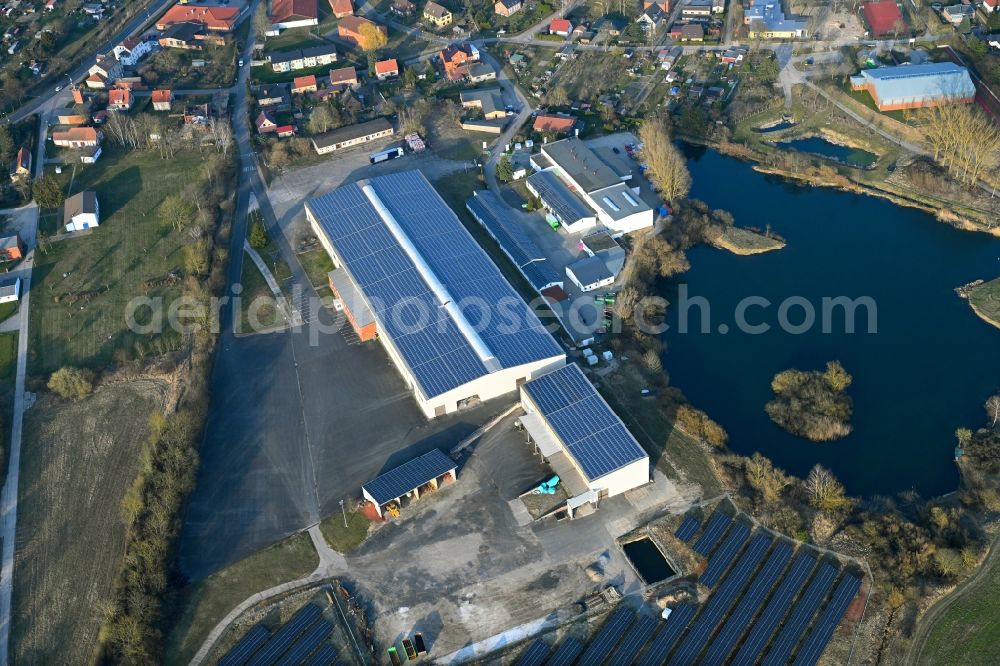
572, 426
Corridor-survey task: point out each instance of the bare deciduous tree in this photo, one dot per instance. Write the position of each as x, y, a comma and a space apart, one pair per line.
825, 491
667, 168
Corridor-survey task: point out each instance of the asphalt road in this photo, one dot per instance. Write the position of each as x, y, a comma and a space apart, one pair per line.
78, 72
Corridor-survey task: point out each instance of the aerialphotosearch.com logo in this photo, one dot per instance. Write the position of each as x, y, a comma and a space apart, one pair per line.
752, 315
757, 315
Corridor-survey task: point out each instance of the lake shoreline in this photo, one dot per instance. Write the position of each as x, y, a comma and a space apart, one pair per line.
948, 216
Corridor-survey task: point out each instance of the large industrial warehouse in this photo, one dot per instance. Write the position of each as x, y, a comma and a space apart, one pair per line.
582, 190
455, 328
565, 415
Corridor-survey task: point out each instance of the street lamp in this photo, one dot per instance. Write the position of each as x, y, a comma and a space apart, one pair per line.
343, 512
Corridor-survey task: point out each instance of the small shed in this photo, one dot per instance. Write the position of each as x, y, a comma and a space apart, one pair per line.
10, 291
410, 480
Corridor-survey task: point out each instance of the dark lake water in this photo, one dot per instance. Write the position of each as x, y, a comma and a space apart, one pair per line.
815, 145
927, 370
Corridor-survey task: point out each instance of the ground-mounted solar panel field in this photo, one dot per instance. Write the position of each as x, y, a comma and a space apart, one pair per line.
770, 601
314, 635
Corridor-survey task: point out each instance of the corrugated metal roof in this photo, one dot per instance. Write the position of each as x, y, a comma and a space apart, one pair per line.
906, 83
408, 476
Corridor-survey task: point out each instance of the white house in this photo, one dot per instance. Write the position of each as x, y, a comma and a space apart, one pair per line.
132, 50
11, 291
81, 211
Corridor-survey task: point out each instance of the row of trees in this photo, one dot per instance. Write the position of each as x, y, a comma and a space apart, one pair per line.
963, 139
147, 131
667, 167
139, 612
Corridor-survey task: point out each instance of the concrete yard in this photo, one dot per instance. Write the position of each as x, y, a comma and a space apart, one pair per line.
458, 567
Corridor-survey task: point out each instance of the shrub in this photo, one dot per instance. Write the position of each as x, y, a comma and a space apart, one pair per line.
258, 235
71, 383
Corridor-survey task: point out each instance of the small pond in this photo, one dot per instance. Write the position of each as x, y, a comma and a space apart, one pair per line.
816, 145
648, 560
777, 127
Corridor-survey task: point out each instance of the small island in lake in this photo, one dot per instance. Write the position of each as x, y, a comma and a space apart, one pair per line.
985, 301
812, 403
745, 241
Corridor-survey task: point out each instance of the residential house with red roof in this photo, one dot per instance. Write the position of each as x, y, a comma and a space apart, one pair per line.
162, 99
77, 137
561, 27
294, 13
386, 69
219, 19
265, 124
456, 58
304, 84
120, 99
341, 8
507, 7
349, 29
21, 167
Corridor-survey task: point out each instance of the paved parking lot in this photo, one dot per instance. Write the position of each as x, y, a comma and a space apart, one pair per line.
293, 428
300, 419
289, 192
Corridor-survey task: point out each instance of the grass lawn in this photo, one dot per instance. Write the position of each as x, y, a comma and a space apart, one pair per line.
986, 299
292, 38
8, 368
969, 632
204, 604
344, 539
317, 263
82, 285
257, 295
77, 462
8, 361
7, 310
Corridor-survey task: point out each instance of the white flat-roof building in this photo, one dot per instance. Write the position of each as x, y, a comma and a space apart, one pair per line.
578, 173
454, 327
